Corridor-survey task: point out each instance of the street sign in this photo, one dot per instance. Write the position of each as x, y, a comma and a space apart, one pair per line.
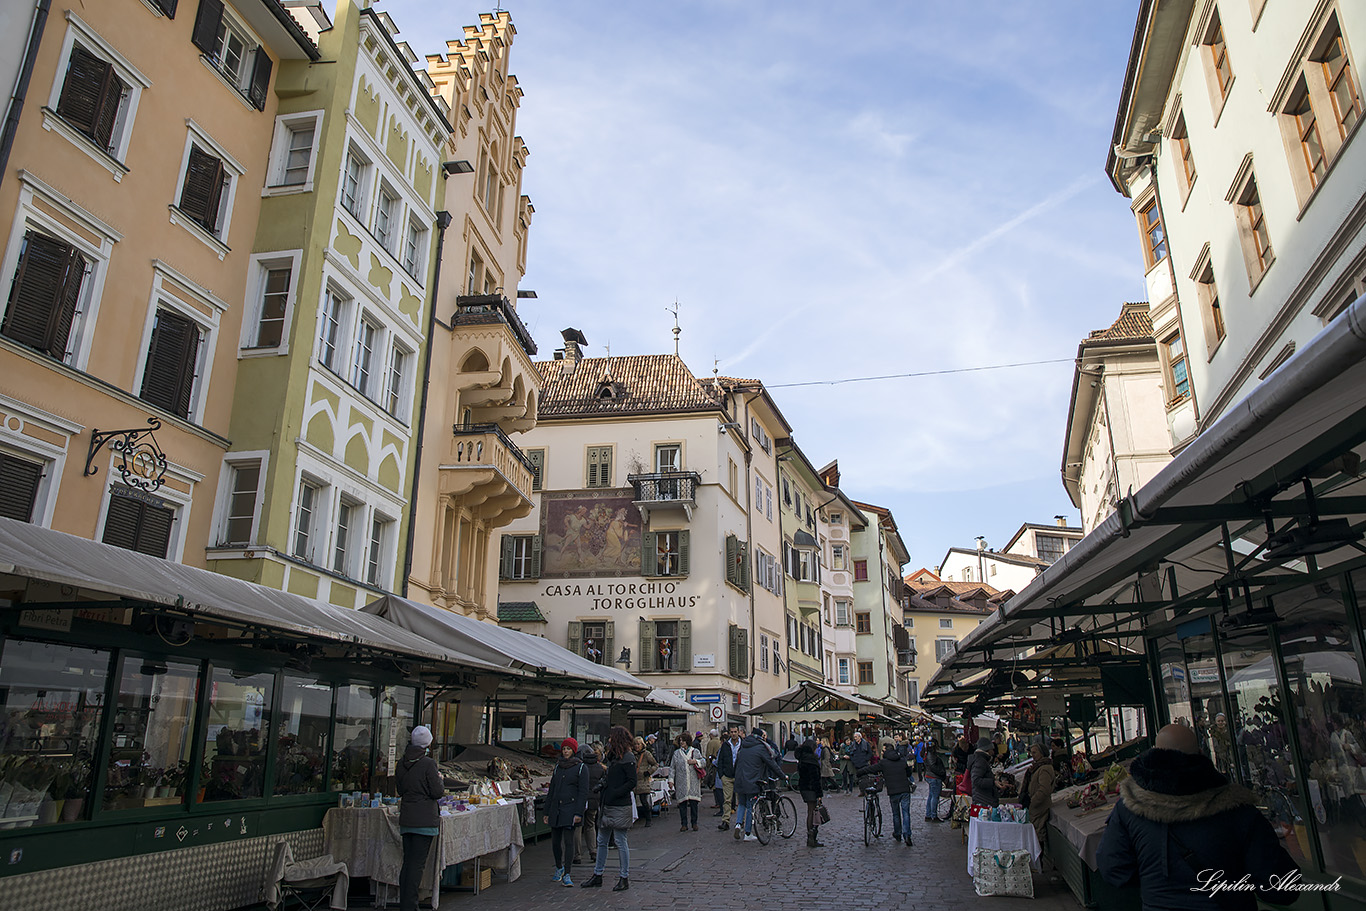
718, 712
704, 698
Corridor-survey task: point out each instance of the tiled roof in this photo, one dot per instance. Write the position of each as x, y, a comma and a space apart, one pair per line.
519, 612
646, 383
915, 602
1134, 323
958, 588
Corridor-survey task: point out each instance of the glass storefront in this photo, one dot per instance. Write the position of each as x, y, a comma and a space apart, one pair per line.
395, 727
236, 735
353, 737
153, 716
305, 720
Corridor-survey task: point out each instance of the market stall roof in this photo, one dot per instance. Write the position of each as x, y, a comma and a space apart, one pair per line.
98, 572
816, 702
1271, 497
666, 699
501, 646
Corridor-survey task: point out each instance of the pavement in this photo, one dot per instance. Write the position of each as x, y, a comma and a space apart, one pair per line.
709, 870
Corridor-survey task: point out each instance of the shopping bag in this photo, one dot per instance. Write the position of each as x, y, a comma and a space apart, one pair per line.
1002, 873
825, 814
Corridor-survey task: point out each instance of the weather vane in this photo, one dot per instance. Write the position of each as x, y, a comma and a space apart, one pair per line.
677, 331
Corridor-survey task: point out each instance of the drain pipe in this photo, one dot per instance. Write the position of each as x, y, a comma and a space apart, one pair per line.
16, 102
443, 221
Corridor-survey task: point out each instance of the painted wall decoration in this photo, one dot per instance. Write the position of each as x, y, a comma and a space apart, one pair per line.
590, 533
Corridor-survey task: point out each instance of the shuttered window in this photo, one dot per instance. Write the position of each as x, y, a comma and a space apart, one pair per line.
593, 640
135, 525
206, 181
19, 480
42, 300
92, 96
737, 562
537, 459
520, 557
228, 47
599, 466
664, 553
166, 6
739, 652
168, 381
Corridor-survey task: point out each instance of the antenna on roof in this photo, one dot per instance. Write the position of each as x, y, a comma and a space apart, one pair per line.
715, 367
677, 331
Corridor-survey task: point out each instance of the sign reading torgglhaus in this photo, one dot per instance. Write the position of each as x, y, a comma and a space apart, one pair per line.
625, 595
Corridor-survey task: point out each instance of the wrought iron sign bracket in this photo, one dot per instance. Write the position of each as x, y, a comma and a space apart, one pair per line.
142, 464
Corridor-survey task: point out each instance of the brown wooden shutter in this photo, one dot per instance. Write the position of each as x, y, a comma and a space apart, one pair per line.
167, 7
110, 102
84, 90
134, 525
43, 298
260, 79
203, 188
169, 378
206, 25
19, 480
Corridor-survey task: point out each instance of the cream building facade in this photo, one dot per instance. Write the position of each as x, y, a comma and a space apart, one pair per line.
936, 616
878, 555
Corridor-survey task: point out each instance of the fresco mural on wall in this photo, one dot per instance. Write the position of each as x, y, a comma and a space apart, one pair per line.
590, 533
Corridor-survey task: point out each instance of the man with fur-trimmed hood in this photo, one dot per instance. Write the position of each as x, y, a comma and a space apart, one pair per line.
1185, 835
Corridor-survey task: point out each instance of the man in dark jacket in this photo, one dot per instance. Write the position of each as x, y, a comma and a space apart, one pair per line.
565, 803
895, 769
1185, 834
725, 773
754, 763
980, 776
859, 753
935, 774
589, 832
419, 816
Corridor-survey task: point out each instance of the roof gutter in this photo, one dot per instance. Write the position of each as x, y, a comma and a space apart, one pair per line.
16, 102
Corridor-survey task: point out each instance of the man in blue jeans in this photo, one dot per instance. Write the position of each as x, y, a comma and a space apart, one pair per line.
895, 769
935, 774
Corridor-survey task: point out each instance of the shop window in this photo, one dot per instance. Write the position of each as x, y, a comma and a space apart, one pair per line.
865, 673
52, 697
352, 738
237, 736
136, 525
665, 645
301, 753
396, 714
149, 758
173, 358
20, 480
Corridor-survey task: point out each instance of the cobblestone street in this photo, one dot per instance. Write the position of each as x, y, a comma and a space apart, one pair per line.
710, 870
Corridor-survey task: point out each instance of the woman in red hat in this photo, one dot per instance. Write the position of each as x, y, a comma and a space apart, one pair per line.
565, 804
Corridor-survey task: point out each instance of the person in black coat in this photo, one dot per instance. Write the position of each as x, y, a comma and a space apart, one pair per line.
725, 773
754, 763
565, 804
419, 815
1180, 830
895, 769
980, 776
618, 794
589, 829
809, 783
859, 753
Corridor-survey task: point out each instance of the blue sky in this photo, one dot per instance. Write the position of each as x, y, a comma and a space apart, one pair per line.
835, 190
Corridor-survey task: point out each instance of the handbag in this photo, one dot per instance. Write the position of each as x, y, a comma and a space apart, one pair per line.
618, 817
1002, 873
825, 814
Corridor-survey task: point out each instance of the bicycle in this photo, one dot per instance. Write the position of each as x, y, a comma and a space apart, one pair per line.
872, 810
773, 812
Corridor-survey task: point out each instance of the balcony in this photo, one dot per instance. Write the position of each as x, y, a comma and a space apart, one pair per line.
665, 490
486, 309
485, 473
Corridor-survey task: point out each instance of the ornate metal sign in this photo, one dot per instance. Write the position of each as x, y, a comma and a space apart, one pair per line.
142, 464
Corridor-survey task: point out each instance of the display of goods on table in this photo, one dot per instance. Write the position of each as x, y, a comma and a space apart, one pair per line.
1113, 776
1090, 797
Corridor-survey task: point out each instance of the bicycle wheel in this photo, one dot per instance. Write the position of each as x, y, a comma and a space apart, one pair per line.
787, 817
763, 825
877, 817
867, 824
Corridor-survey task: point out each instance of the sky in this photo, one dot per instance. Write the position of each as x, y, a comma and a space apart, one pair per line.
835, 190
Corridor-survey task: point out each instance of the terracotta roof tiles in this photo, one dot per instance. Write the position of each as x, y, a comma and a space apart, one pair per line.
641, 384
1134, 323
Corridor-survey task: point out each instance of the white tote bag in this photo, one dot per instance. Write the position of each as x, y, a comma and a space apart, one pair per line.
1002, 873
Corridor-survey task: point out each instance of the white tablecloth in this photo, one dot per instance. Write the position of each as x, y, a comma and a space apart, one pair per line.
368, 841
1001, 836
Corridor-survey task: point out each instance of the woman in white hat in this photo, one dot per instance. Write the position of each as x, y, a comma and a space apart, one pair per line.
419, 816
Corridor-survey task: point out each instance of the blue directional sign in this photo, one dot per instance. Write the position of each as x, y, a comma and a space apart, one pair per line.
704, 698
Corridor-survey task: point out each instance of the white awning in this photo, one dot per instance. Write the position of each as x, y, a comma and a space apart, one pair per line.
811, 699
498, 645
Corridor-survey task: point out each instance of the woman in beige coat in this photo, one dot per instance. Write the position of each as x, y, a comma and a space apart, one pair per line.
1038, 786
646, 763
687, 784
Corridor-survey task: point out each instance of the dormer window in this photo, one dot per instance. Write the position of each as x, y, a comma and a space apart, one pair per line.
609, 391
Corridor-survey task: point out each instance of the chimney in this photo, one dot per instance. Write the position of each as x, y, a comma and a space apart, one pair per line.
573, 349
1061, 520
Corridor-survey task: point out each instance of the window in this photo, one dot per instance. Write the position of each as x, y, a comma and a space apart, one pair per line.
232, 52
668, 457
860, 570
1307, 132
768, 502
353, 184
763, 652
777, 665
387, 209
293, 151
863, 622
348, 514
151, 736
664, 553
476, 275
737, 562
240, 519
943, 648
490, 182
1320, 109
1185, 158
665, 645
913, 694
593, 640
1174, 360
235, 743
360, 366
1050, 547
46, 294
537, 459
19, 482
760, 436
945, 623
1252, 228
837, 556
841, 612
1218, 69
380, 529
865, 673
305, 717
843, 664
330, 320
599, 473
836, 518
1337, 73
1155, 239
1211, 314
269, 331
208, 181
135, 525
303, 520
168, 379
521, 557
738, 641
93, 99
414, 240
396, 386
732, 477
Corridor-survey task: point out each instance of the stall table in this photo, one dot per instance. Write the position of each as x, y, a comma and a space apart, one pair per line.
1001, 836
1073, 843
368, 840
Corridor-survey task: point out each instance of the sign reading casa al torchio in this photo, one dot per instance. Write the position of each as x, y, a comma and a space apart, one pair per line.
625, 595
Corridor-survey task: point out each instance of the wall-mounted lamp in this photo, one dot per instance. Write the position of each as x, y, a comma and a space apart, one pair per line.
625, 658
457, 167
525, 294
721, 428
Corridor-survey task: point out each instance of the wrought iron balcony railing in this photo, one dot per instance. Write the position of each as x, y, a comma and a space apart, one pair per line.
477, 309
666, 486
